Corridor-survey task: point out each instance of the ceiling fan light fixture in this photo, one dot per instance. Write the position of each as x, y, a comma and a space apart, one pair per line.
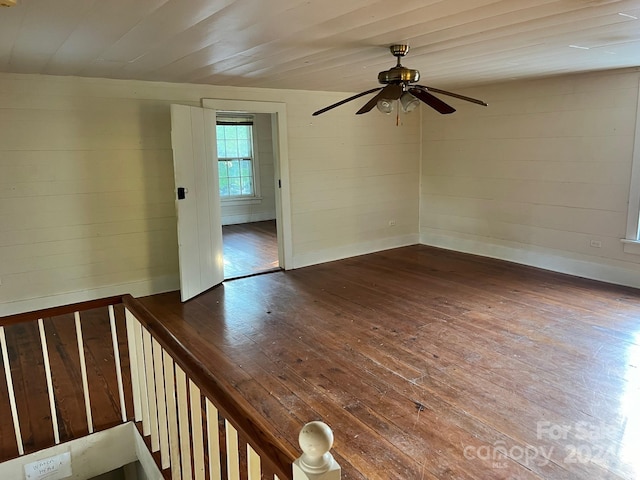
408, 102
385, 105
398, 85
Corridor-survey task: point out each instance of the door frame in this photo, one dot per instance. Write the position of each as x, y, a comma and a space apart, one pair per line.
278, 113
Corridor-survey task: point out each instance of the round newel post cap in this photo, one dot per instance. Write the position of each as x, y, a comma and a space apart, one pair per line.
316, 439
316, 462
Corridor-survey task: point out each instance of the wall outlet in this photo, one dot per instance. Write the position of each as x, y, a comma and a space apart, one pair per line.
595, 243
392, 223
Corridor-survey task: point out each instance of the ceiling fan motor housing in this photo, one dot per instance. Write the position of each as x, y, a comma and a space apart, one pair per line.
399, 74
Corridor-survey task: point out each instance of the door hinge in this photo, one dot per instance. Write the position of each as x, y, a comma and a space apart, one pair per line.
279, 183
182, 193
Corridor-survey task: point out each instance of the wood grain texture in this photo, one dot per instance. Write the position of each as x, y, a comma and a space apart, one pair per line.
422, 359
59, 311
237, 409
249, 248
25, 357
328, 45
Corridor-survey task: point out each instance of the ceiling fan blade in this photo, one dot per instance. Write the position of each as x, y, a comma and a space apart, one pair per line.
456, 95
342, 102
431, 100
391, 91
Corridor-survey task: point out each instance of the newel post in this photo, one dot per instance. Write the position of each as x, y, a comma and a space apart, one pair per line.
316, 463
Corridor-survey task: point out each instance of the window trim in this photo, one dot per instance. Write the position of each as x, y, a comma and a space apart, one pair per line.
256, 197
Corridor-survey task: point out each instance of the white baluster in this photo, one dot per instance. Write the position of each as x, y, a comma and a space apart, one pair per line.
147, 347
183, 422
233, 459
83, 372
172, 415
116, 356
132, 326
195, 402
47, 371
161, 399
316, 463
12, 396
213, 440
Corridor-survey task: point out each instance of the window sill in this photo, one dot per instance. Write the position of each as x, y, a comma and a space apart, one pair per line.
241, 201
631, 246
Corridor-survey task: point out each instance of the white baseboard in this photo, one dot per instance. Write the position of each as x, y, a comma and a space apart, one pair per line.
142, 288
538, 257
92, 455
331, 254
247, 218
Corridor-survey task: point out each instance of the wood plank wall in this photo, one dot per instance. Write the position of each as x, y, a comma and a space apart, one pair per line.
536, 176
86, 184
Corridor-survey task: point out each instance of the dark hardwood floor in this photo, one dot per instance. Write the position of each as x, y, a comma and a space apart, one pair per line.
26, 360
430, 364
249, 248
427, 364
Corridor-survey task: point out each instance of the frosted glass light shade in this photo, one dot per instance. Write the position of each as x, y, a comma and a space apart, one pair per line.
408, 102
385, 105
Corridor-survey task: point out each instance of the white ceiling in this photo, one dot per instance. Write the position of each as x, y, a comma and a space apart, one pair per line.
333, 45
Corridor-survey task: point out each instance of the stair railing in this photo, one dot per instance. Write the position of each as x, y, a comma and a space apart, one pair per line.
173, 385
76, 310
193, 422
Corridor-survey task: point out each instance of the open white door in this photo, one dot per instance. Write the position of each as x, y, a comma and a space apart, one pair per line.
200, 252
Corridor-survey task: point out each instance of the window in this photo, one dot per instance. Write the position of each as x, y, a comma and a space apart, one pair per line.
236, 160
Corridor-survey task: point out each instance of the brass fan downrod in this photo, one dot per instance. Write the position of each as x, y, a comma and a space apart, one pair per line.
399, 74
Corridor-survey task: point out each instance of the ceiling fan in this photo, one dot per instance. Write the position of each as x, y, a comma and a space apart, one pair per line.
398, 81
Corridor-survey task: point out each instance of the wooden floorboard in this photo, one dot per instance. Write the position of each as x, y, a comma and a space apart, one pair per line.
250, 248
427, 364
430, 364
27, 369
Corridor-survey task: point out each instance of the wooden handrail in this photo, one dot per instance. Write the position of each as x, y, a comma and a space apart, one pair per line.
61, 310
278, 454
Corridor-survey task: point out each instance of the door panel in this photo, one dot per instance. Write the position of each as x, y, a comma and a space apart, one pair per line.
199, 217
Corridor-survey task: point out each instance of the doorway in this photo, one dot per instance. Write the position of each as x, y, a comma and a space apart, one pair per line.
256, 229
247, 185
